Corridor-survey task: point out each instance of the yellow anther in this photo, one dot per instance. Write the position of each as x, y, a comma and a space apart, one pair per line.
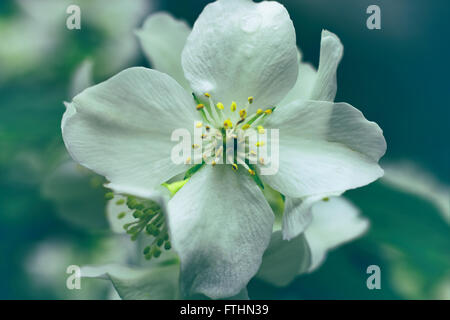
200, 106
234, 166
260, 143
199, 124
188, 160
220, 106
326, 199
268, 111
207, 128
213, 163
203, 136
233, 106
245, 126
259, 111
253, 152
195, 146
243, 113
228, 124
252, 173
261, 160
250, 100
207, 95
261, 129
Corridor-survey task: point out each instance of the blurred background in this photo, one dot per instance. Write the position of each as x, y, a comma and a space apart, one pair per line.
52, 213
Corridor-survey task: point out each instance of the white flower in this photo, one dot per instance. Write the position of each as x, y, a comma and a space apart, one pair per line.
336, 221
241, 55
39, 30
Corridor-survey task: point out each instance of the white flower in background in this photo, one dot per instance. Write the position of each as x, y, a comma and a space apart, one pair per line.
410, 178
47, 263
241, 60
39, 30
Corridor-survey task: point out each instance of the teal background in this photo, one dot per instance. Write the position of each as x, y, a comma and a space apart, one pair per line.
397, 76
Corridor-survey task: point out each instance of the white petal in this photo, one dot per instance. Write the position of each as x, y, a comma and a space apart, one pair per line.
331, 51
324, 148
162, 38
238, 49
304, 85
155, 283
335, 222
297, 214
220, 226
321, 84
284, 260
122, 127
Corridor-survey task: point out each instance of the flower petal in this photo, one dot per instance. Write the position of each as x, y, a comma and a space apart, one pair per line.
220, 225
122, 127
238, 49
321, 84
331, 51
324, 148
304, 85
163, 38
335, 222
155, 283
284, 260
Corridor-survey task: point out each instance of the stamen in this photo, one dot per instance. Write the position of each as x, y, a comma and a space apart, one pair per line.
260, 143
252, 173
259, 111
260, 129
243, 113
109, 196
268, 111
245, 126
195, 146
207, 95
234, 166
199, 124
150, 219
233, 106
228, 124
200, 106
220, 106
250, 100
188, 160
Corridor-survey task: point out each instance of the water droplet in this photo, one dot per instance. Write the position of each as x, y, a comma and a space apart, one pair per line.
251, 23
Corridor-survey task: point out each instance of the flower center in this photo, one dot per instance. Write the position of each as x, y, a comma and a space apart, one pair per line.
238, 143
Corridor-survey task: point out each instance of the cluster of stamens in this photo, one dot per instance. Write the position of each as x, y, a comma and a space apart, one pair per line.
149, 219
225, 141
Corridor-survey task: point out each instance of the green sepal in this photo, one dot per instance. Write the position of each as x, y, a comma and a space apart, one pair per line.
193, 170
